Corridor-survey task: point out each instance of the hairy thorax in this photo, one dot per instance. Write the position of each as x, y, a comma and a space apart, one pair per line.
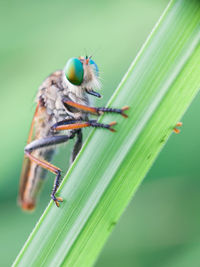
53, 90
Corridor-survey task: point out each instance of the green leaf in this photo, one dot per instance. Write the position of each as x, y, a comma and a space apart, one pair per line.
158, 87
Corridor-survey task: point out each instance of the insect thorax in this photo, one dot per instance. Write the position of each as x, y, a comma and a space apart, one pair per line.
51, 93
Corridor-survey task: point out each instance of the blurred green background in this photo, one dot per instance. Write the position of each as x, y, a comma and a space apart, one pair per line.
161, 226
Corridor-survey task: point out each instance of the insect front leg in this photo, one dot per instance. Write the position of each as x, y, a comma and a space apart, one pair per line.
46, 142
92, 92
94, 110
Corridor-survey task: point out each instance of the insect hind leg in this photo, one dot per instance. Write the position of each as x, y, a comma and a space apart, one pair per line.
46, 142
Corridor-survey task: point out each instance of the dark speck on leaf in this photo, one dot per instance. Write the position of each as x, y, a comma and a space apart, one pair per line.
162, 140
111, 226
149, 156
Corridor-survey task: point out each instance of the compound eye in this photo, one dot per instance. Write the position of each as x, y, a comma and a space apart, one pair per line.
96, 69
74, 71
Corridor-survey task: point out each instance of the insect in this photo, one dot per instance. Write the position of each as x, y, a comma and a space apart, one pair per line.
62, 105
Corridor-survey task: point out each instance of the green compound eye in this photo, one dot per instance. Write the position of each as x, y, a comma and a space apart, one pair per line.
74, 71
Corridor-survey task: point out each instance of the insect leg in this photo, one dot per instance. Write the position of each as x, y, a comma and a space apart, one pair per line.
48, 141
69, 124
77, 145
45, 142
91, 92
96, 111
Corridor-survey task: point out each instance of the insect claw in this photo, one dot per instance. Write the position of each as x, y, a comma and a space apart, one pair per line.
57, 200
177, 131
112, 124
60, 199
57, 203
123, 109
179, 124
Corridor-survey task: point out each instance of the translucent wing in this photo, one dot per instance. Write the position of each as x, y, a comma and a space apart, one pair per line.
32, 175
26, 169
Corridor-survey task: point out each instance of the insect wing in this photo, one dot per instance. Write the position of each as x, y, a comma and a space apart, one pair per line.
27, 166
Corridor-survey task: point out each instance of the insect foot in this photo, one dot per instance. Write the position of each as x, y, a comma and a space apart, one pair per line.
110, 126
57, 200
124, 109
176, 130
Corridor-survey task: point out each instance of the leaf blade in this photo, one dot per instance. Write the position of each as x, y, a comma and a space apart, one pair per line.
154, 83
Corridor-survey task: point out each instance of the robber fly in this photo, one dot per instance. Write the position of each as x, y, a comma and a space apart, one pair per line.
62, 105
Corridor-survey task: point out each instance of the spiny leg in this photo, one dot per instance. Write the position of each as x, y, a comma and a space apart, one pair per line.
46, 165
78, 124
45, 142
96, 111
102, 110
176, 130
